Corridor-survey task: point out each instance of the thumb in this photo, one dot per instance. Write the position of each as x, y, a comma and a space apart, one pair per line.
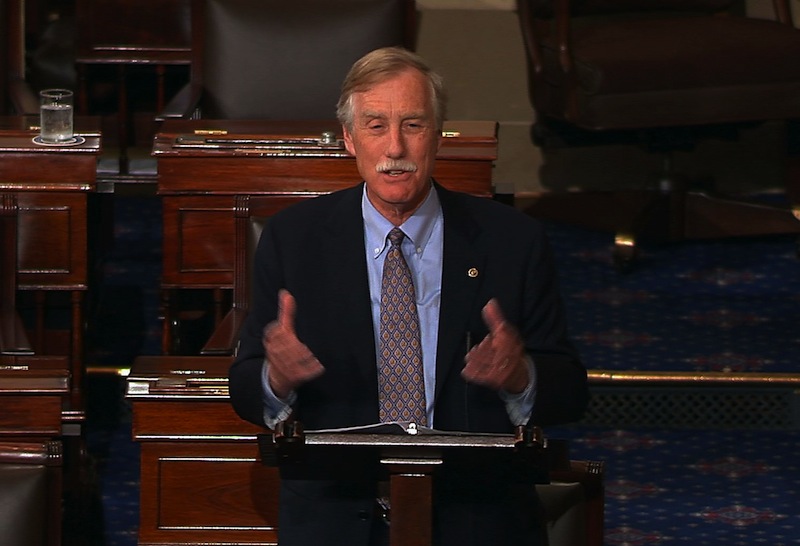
286, 309
493, 316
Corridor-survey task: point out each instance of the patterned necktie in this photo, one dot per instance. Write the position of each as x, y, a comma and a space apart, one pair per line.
400, 382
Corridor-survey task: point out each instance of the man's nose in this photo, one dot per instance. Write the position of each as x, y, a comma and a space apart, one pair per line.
396, 146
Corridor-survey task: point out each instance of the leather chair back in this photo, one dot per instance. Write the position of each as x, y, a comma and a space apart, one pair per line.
255, 225
23, 496
30, 493
271, 59
251, 214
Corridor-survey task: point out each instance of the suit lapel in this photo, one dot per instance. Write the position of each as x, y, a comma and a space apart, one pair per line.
345, 259
463, 263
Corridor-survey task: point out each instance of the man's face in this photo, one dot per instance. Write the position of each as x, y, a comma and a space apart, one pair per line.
395, 139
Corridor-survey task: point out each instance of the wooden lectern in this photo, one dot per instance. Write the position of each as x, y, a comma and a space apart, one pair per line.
411, 456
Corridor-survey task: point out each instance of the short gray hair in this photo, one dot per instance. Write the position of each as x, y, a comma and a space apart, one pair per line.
380, 65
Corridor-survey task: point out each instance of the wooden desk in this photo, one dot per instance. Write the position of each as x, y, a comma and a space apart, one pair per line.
33, 390
51, 187
201, 478
199, 176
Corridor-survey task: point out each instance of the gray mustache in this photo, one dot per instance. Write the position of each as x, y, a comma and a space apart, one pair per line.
396, 165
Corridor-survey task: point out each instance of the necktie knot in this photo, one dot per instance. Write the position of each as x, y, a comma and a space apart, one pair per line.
396, 236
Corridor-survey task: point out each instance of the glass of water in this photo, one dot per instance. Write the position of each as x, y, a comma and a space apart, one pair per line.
56, 116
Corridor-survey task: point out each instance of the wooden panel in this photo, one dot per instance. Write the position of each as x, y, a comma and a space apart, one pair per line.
256, 175
473, 177
52, 240
72, 170
30, 415
172, 419
198, 241
206, 493
233, 493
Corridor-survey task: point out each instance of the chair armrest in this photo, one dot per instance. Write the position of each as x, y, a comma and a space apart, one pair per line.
47, 453
182, 105
225, 337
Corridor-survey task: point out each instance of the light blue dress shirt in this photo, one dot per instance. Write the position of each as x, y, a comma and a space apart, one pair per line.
423, 249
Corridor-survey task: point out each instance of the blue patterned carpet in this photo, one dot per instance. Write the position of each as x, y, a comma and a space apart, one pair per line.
732, 305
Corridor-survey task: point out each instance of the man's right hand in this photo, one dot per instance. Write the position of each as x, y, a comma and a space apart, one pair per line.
291, 362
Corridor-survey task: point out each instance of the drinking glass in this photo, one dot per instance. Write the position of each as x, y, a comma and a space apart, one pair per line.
56, 116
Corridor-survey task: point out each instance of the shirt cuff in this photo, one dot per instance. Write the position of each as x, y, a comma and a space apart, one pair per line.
520, 405
275, 409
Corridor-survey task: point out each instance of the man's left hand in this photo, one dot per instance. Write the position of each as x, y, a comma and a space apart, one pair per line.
498, 360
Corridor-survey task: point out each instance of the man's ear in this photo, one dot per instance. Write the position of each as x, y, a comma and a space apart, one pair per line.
348, 141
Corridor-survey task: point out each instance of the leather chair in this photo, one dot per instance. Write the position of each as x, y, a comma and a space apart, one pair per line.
573, 504
663, 74
269, 59
251, 214
30, 493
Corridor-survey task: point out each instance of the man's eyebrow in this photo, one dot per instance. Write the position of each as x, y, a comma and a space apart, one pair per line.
404, 117
372, 115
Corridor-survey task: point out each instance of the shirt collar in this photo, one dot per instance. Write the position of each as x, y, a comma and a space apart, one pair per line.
418, 227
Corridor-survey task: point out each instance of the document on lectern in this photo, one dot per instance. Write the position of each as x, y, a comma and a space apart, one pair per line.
406, 435
389, 427
402, 428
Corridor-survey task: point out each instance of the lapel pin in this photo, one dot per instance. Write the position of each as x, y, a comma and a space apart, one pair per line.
472, 272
